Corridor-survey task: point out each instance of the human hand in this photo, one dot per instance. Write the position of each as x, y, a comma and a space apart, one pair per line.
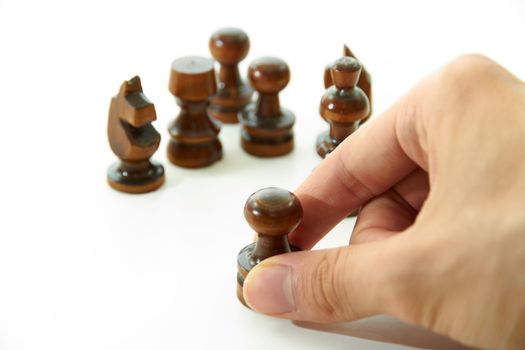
440, 237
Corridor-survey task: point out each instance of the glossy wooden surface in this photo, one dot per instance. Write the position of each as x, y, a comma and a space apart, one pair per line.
343, 105
194, 142
365, 80
266, 126
229, 46
133, 140
273, 213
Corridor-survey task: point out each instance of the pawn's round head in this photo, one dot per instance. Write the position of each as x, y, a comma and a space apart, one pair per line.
345, 72
268, 74
273, 211
229, 45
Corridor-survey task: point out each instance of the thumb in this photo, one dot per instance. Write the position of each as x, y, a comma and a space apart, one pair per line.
329, 285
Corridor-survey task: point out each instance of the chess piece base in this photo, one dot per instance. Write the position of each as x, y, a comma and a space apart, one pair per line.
267, 137
325, 144
260, 148
244, 266
194, 155
137, 178
240, 296
224, 115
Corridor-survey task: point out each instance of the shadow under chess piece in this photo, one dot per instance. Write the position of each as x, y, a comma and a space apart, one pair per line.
133, 140
273, 213
364, 82
266, 127
194, 142
386, 329
344, 105
229, 46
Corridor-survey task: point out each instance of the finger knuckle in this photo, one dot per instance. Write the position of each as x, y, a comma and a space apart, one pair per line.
328, 293
470, 71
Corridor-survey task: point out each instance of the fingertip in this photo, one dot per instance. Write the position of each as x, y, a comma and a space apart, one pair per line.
268, 289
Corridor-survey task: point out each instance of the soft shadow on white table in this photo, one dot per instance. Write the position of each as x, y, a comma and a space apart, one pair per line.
389, 330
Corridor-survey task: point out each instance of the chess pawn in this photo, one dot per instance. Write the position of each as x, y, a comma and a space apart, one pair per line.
133, 140
343, 106
194, 142
266, 127
273, 213
364, 82
229, 46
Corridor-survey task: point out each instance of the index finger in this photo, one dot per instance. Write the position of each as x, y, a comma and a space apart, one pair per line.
366, 164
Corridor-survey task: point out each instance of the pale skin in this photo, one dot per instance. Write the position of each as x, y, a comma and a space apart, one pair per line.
440, 238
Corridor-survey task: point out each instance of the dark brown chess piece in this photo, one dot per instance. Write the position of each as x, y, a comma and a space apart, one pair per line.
365, 80
194, 142
229, 46
344, 105
133, 140
266, 127
273, 213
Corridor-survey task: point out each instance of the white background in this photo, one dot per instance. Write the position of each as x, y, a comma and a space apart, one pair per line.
85, 267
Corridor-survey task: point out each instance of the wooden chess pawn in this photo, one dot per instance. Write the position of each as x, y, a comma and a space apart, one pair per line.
133, 140
273, 213
364, 82
343, 106
194, 142
229, 46
266, 127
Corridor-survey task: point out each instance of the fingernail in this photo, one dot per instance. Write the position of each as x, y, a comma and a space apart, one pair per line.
268, 289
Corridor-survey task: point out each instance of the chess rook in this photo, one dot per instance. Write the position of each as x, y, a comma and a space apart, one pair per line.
266, 127
194, 142
343, 105
133, 140
364, 82
229, 46
273, 213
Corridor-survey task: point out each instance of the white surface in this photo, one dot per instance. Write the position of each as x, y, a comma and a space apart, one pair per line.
85, 267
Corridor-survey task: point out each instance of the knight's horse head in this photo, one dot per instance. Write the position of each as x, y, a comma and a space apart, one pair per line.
130, 133
133, 107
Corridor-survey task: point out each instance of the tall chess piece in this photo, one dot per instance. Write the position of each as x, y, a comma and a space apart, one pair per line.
364, 82
266, 127
133, 140
273, 213
344, 105
194, 142
229, 46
